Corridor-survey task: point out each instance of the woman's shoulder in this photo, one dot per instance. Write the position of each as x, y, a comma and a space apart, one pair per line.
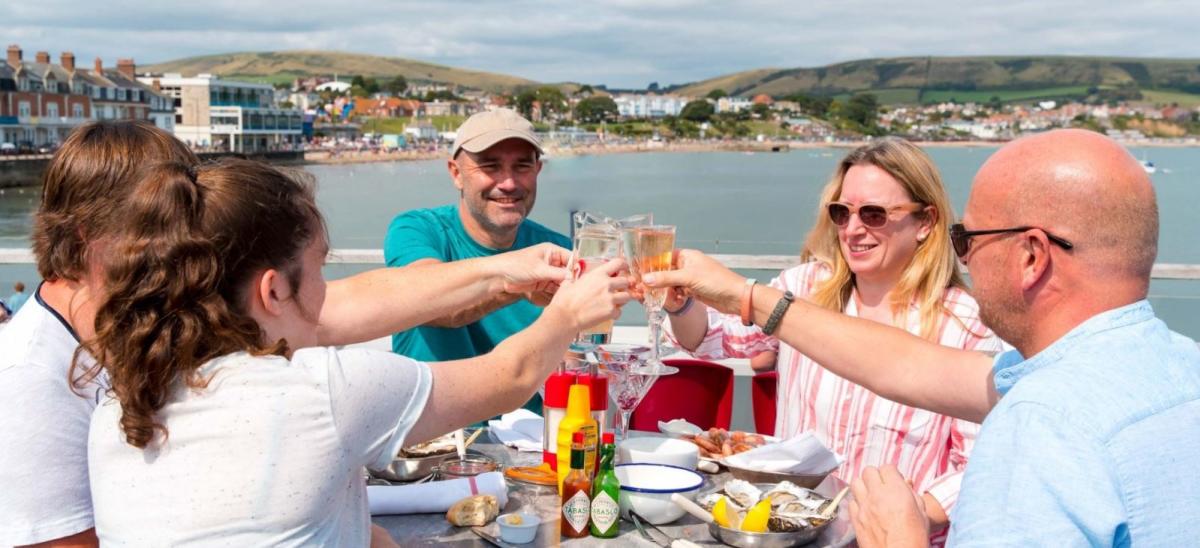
960, 303
962, 307
801, 278
352, 356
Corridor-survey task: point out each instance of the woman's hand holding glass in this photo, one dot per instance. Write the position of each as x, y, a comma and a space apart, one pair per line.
704, 278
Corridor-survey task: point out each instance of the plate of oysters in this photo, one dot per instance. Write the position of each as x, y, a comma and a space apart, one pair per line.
417, 462
765, 514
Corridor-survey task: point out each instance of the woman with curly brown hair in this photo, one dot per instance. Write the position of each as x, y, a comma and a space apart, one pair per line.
229, 423
43, 419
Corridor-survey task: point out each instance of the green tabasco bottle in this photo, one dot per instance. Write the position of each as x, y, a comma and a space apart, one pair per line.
606, 490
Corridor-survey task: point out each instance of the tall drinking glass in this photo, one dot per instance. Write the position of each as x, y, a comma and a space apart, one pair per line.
597, 240
649, 249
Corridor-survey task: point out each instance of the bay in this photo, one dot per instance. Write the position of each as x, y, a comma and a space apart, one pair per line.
728, 202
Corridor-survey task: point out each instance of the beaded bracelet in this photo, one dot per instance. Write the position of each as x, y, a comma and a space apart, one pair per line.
777, 314
687, 305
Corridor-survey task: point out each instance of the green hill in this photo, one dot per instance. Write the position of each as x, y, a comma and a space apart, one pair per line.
285, 66
927, 79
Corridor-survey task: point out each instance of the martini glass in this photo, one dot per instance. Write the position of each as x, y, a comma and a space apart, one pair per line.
624, 364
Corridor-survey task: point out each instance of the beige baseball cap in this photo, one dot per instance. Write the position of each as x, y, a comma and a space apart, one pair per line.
487, 128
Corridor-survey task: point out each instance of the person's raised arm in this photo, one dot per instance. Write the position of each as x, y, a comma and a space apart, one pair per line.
888, 361
383, 301
471, 390
688, 326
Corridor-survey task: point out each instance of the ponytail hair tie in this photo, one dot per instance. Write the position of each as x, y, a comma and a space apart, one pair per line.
191, 172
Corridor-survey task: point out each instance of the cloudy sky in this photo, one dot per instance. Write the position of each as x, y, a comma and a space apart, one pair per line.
621, 43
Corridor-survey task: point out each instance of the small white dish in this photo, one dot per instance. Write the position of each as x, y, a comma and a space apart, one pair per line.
522, 532
679, 428
659, 450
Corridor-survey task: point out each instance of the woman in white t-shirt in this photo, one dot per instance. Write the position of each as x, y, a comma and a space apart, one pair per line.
220, 430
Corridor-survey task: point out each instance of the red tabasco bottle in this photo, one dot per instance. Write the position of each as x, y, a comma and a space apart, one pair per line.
576, 493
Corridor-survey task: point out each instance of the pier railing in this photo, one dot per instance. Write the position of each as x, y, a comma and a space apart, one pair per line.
374, 257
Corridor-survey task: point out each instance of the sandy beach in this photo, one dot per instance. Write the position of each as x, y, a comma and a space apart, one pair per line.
369, 156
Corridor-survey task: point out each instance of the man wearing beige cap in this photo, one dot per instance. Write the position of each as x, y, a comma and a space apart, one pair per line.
494, 164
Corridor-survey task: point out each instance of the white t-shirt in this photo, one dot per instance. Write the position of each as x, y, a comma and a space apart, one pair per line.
269, 454
43, 430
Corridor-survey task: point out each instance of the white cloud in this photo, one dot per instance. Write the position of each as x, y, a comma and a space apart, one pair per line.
622, 43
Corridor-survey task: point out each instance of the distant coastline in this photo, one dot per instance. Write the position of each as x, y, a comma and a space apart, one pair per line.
321, 157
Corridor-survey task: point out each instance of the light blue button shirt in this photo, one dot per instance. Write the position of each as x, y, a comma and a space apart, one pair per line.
1096, 442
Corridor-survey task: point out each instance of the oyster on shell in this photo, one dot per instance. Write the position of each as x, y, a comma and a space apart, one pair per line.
785, 524
744, 493
787, 492
708, 501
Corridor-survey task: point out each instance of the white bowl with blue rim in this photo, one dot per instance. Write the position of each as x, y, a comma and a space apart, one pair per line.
647, 488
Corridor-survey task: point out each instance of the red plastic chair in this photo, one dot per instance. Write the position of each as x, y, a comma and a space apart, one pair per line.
762, 400
701, 392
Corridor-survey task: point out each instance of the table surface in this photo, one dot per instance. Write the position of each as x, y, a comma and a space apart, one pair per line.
430, 529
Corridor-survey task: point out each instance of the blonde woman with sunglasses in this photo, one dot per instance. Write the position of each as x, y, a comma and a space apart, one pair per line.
880, 250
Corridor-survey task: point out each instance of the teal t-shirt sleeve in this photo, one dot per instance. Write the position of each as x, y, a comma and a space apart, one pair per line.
560, 240
413, 236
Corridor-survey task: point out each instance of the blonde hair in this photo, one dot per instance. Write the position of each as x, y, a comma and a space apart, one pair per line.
933, 269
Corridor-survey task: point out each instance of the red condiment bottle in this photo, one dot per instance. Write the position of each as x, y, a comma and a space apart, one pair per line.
554, 408
576, 493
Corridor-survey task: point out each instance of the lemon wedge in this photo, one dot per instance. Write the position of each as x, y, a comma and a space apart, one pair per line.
726, 514
720, 512
756, 518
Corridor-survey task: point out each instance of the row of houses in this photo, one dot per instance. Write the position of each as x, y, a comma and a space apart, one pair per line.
41, 102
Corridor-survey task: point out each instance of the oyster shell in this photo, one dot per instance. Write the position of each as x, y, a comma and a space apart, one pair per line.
744, 493
708, 501
787, 492
796, 509
786, 524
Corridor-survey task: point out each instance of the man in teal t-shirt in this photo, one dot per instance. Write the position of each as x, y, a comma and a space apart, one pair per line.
494, 164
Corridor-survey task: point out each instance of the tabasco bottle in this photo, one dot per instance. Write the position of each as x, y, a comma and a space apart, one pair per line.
606, 490
576, 493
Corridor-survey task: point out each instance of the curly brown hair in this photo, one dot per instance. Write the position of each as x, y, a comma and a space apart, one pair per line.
84, 183
178, 273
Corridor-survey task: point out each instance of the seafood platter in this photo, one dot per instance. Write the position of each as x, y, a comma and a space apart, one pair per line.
765, 514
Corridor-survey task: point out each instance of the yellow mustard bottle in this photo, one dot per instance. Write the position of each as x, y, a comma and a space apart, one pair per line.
578, 419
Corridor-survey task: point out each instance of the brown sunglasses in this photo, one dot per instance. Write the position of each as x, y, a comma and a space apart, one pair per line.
960, 237
871, 215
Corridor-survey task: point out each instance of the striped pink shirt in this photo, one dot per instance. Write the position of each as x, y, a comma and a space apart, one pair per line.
929, 449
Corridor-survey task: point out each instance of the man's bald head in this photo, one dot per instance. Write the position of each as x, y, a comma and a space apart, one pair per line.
1081, 186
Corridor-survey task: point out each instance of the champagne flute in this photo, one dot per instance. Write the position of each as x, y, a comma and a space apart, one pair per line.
650, 249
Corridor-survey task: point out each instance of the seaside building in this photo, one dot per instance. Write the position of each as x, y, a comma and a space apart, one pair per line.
118, 95
733, 104
388, 107
227, 115
449, 108
334, 86
41, 102
649, 106
46, 101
